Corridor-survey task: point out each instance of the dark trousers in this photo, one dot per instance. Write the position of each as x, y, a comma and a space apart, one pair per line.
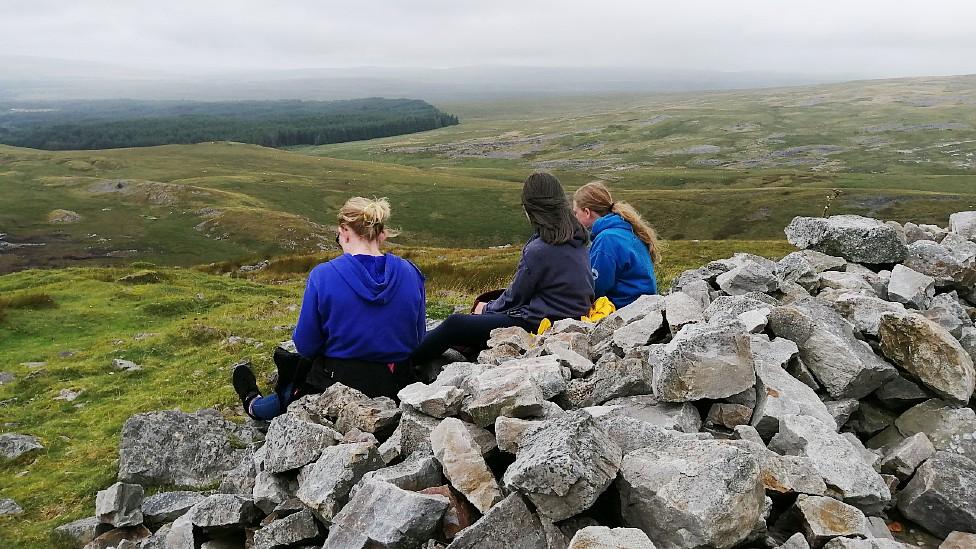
468, 331
298, 376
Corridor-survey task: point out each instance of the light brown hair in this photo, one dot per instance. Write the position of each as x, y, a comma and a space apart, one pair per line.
366, 216
595, 196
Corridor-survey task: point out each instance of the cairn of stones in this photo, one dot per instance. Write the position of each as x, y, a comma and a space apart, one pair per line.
816, 401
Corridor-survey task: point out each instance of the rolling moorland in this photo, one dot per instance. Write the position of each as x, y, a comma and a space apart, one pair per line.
715, 172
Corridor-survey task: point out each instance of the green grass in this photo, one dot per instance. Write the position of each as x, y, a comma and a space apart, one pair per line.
175, 329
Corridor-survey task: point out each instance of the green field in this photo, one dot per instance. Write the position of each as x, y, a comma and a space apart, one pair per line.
716, 173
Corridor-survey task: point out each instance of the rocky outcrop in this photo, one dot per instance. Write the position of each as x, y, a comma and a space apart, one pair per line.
786, 404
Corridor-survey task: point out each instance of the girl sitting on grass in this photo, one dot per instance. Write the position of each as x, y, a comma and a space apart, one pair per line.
362, 316
624, 249
552, 279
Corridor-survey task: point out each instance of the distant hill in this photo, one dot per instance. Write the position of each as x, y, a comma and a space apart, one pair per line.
73, 125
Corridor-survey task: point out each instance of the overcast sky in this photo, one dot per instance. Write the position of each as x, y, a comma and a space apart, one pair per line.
851, 37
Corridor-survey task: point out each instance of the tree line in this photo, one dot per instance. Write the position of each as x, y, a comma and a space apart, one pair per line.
71, 125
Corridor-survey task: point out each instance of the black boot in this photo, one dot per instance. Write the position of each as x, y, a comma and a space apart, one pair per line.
245, 384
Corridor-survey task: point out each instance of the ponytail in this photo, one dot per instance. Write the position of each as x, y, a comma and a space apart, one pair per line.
595, 196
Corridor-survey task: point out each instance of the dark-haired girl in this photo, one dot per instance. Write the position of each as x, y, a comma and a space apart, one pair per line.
552, 279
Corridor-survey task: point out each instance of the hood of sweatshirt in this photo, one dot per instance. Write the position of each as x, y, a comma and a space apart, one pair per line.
361, 282
610, 221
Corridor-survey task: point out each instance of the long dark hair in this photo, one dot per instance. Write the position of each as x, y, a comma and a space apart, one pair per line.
548, 208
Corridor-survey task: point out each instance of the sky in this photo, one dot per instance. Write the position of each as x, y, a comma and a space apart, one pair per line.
870, 38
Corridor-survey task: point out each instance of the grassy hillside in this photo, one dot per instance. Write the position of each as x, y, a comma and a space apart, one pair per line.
71, 323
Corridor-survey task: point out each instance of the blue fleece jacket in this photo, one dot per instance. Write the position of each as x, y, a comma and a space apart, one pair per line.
363, 308
622, 267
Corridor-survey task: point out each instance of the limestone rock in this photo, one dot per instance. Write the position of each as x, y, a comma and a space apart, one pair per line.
292, 443
501, 392
750, 277
682, 417
947, 311
433, 400
899, 393
382, 515
9, 508
545, 371
910, 287
950, 428
509, 432
509, 524
941, 494
76, 534
120, 505
612, 377
563, 465
796, 541
371, 415
864, 312
870, 419
705, 361
601, 537
855, 238
296, 529
728, 415
682, 309
459, 514
951, 263
906, 456
578, 363
959, 540
852, 543
963, 224
223, 511
692, 493
324, 485
779, 393
417, 472
639, 333
166, 507
460, 458
797, 269
14, 445
846, 366
930, 353
826, 518
176, 448
838, 461
271, 490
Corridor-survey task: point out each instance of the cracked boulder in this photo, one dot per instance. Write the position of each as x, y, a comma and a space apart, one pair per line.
382, 515
692, 493
852, 237
846, 366
292, 443
601, 537
941, 494
324, 485
837, 460
463, 465
704, 361
563, 465
929, 353
120, 505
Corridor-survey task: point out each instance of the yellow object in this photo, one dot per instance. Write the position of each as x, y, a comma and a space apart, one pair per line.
600, 309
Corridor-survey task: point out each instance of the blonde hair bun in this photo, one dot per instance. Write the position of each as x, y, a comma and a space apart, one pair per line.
367, 217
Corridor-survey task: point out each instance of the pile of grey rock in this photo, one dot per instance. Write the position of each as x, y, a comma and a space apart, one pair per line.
808, 402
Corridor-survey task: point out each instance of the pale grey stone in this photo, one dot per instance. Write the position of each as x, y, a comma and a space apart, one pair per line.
845, 281
223, 511
180, 534
826, 518
855, 238
509, 524
509, 432
501, 392
748, 433
120, 505
270, 490
902, 459
940, 496
692, 493
929, 353
296, 529
910, 287
15, 445
842, 409
563, 465
796, 269
852, 543
382, 515
9, 508
166, 507
950, 428
545, 371
638, 333
577, 363
951, 263
783, 474
415, 429
963, 224
704, 361
949, 312
463, 464
846, 366
371, 415
417, 472
796, 541
682, 309
324, 485
959, 540
76, 534
749, 277
601, 537
433, 400
178, 449
292, 443
864, 312
682, 417
779, 393
839, 463
612, 377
